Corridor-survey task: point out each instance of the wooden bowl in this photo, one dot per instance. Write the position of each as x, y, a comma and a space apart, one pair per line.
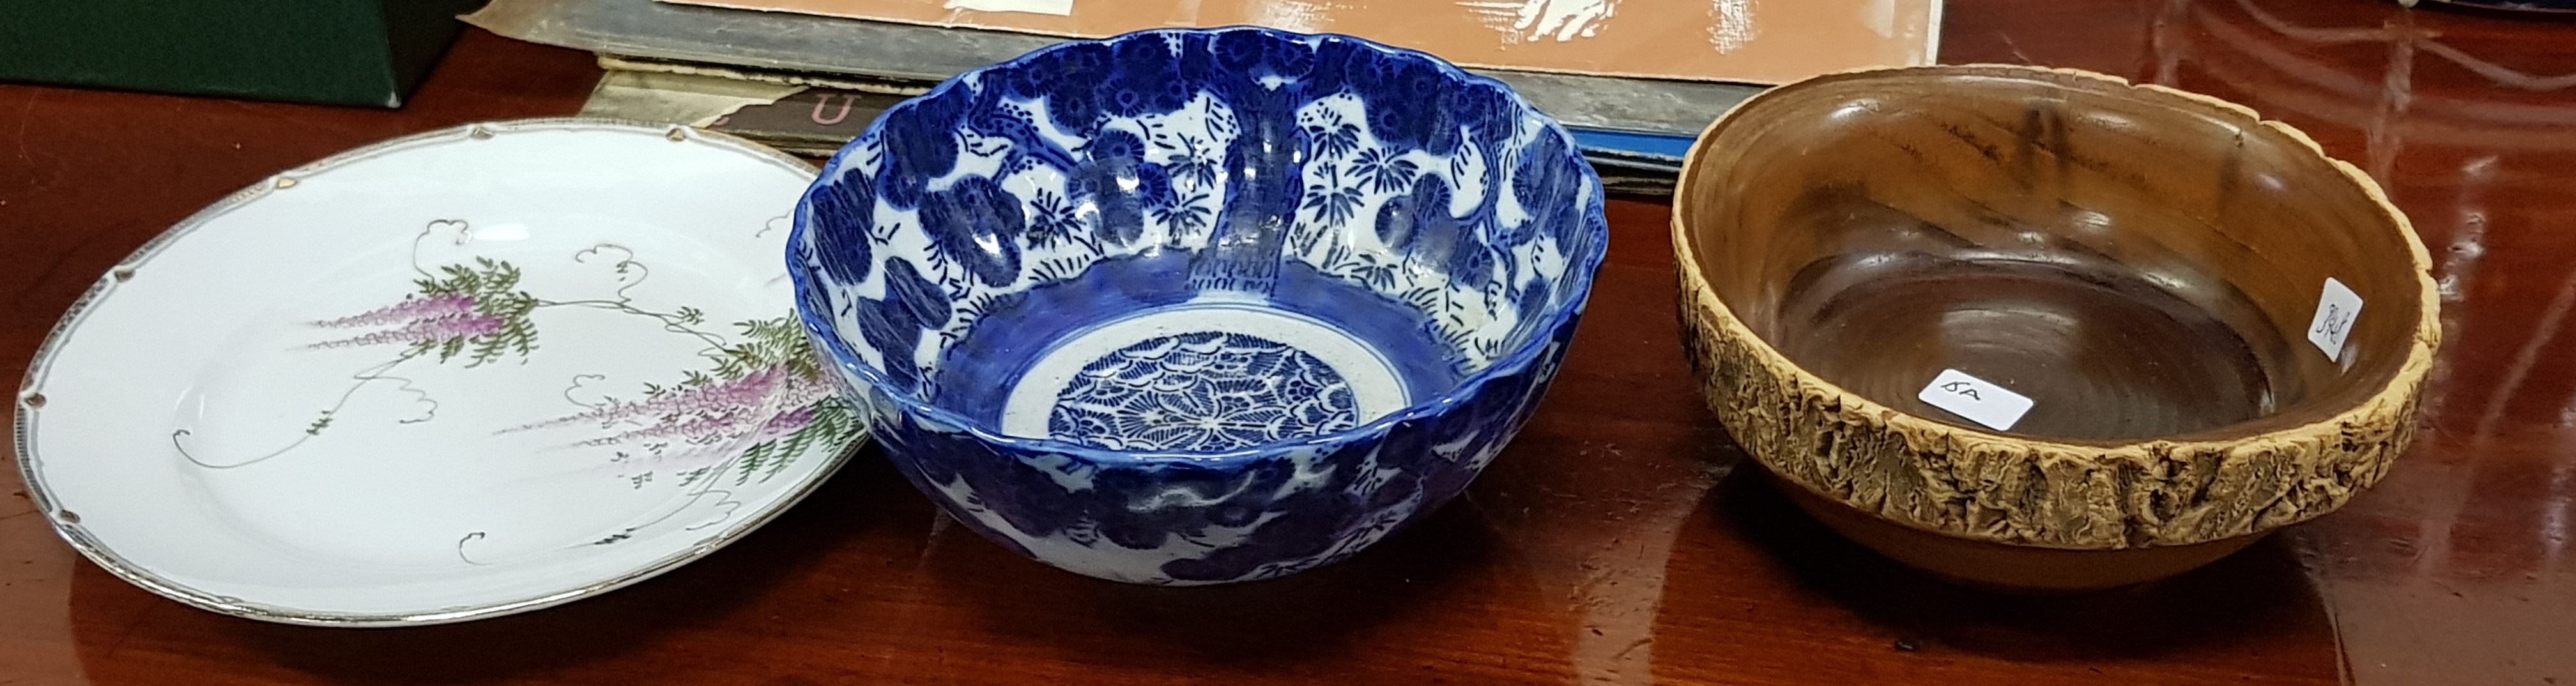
2145, 266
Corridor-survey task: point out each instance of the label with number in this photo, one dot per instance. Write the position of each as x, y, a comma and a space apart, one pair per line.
2336, 309
1979, 400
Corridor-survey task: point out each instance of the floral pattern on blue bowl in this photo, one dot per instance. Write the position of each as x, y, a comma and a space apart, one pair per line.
1193, 307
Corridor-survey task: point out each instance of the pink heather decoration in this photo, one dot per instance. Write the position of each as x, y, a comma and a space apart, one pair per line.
788, 422
410, 309
712, 413
760, 406
732, 395
440, 328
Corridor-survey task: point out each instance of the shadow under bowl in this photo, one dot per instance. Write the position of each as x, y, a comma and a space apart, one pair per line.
1988, 311
1187, 307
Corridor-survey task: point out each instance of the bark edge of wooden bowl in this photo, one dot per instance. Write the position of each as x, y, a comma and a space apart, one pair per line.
2039, 513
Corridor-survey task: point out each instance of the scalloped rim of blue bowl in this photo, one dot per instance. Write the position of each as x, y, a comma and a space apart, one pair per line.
1580, 270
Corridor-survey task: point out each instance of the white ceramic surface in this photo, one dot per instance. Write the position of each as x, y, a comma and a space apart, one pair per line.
457, 375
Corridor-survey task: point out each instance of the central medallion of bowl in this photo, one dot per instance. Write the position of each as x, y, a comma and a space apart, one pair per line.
1199, 306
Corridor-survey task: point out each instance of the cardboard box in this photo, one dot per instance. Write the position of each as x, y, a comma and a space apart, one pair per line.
1739, 41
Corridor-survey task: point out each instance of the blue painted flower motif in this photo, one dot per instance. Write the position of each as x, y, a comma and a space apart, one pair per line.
1147, 81
1430, 128
1202, 392
1115, 145
977, 224
1537, 176
1072, 89
1240, 53
1471, 264
1290, 64
1154, 187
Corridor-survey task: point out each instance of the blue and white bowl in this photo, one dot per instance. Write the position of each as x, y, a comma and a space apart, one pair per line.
1196, 307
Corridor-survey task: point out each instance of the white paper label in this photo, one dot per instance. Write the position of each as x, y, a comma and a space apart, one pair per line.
1979, 400
2336, 309
1055, 7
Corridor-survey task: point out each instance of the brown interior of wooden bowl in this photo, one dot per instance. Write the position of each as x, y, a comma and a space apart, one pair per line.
2141, 263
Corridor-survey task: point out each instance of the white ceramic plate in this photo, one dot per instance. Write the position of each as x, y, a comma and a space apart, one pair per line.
451, 376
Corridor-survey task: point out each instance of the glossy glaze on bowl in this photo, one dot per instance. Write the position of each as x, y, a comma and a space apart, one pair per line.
1200, 306
2143, 263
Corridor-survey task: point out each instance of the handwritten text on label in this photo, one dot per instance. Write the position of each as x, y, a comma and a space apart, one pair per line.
1979, 400
2337, 307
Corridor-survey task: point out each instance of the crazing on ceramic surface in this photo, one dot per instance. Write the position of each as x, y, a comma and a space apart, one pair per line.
462, 374
1199, 306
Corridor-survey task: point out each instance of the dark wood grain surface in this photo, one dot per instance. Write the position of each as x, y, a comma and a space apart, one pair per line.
1617, 542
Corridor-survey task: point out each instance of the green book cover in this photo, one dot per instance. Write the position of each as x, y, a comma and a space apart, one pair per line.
344, 52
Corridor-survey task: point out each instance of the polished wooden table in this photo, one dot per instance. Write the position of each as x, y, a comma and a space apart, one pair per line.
1619, 541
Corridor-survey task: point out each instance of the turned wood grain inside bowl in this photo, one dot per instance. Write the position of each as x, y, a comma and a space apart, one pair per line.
2142, 262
